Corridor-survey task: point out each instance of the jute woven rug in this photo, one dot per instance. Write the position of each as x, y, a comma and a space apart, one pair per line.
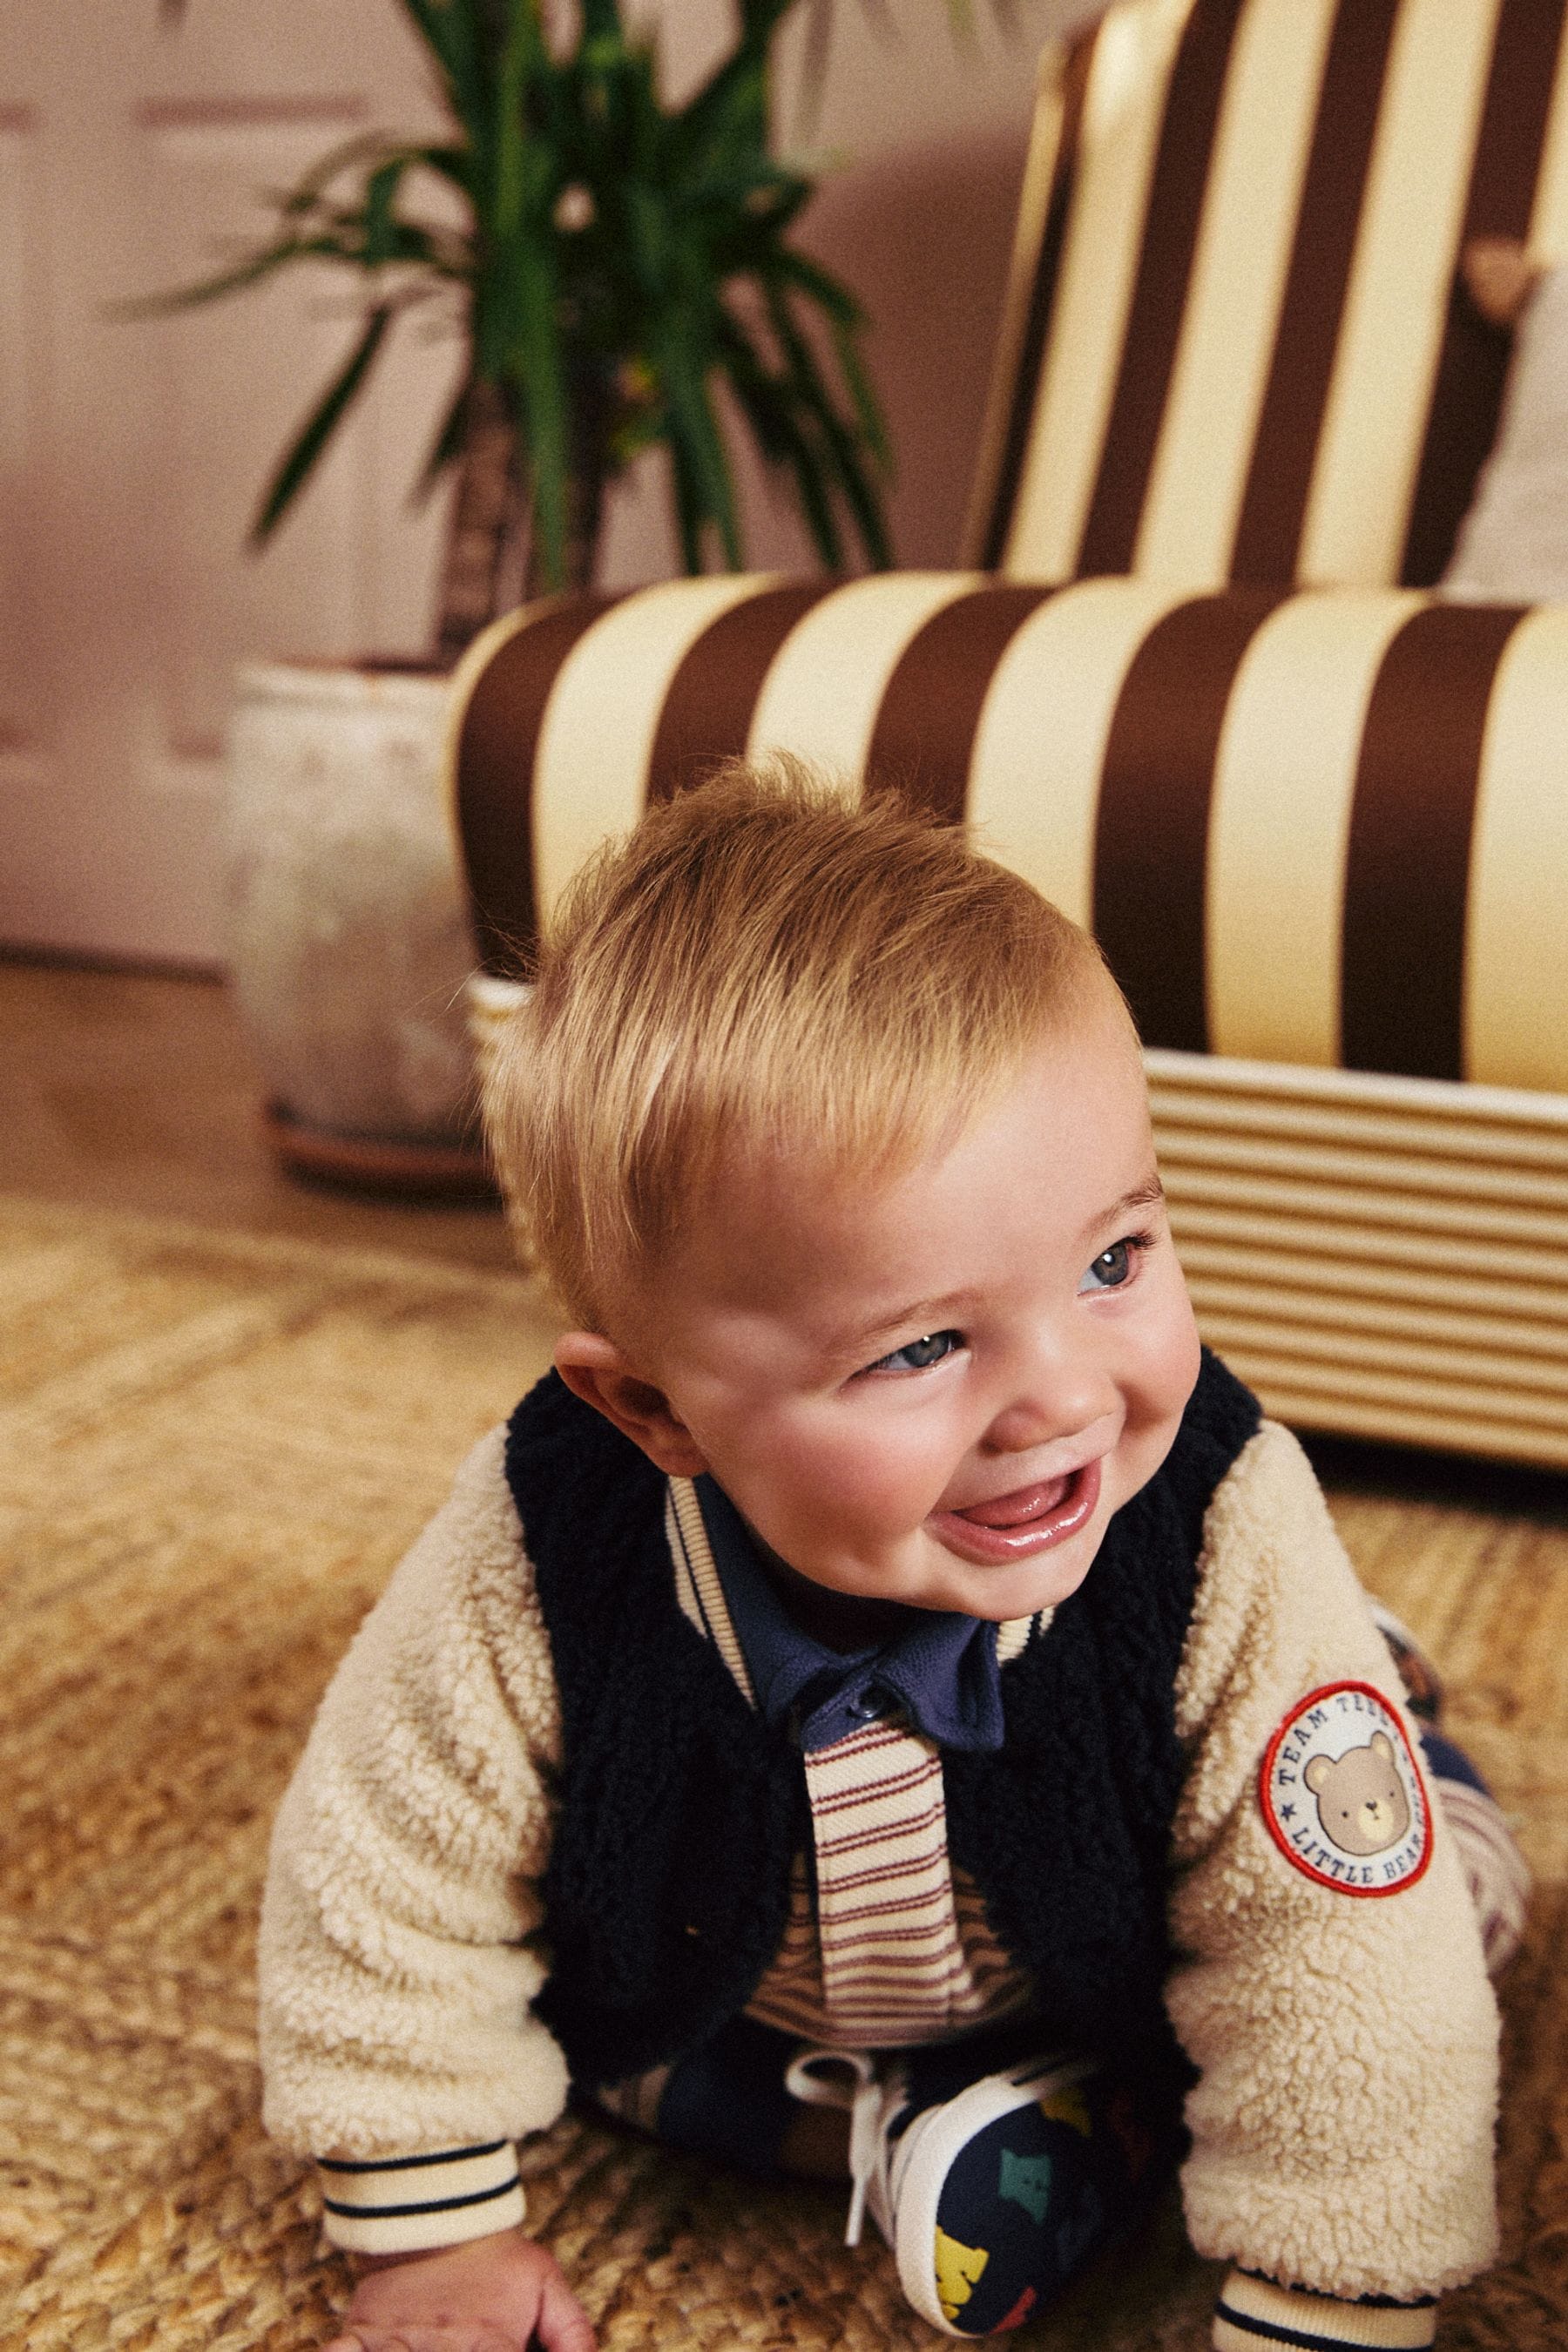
214, 1450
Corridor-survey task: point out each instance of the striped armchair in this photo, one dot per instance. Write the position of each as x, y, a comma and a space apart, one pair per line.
1197, 689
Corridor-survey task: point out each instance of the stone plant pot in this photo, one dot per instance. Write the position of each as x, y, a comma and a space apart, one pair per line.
347, 928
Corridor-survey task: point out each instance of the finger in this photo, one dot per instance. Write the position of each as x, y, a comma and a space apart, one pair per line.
563, 2325
418, 2336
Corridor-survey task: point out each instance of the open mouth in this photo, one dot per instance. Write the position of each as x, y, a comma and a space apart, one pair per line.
1030, 1519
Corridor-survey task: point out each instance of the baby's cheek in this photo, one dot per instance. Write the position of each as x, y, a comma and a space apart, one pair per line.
884, 1488
1156, 1401
1173, 1359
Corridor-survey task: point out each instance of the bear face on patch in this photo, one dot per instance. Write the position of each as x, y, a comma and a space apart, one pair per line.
1362, 1803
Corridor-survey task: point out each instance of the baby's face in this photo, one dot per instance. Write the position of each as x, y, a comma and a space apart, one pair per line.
937, 1390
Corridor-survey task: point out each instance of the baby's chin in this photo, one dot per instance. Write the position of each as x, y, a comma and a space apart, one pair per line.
1027, 1598
997, 1595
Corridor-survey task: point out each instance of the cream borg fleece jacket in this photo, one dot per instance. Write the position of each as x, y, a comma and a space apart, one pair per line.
1343, 2122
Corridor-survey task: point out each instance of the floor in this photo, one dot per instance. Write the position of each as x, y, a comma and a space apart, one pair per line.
132, 1090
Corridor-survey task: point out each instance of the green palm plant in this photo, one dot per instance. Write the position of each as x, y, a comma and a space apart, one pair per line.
609, 262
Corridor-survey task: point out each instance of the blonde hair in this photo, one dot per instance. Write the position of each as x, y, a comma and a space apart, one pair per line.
762, 966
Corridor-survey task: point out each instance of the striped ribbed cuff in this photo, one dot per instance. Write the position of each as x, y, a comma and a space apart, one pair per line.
1253, 2313
399, 2204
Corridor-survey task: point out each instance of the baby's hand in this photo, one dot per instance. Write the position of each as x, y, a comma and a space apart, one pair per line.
499, 2294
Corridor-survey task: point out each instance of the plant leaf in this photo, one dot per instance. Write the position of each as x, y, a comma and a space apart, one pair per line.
734, 98
446, 447
380, 195
317, 177
767, 409
864, 501
320, 426
248, 272
687, 506
862, 393
601, 22
520, 55
831, 292
694, 431
448, 158
536, 367
447, 29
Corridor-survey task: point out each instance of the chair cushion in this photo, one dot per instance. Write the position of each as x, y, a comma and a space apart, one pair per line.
1326, 828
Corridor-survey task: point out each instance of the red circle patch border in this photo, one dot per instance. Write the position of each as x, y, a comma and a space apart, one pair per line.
1330, 1690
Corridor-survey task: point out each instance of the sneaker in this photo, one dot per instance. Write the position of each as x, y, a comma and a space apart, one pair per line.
992, 2198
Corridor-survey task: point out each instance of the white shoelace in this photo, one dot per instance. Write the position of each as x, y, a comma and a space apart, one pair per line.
863, 2098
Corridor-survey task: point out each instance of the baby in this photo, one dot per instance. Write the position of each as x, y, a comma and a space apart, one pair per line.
886, 1704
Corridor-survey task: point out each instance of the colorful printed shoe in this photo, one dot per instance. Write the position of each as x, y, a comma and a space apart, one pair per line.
994, 2197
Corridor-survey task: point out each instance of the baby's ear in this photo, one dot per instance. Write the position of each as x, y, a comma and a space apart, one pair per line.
596, 1369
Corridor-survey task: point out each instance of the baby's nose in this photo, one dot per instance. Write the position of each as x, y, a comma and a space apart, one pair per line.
1055, 1403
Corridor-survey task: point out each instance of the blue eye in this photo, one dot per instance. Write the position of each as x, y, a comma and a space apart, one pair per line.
1112, 1266
918, 1353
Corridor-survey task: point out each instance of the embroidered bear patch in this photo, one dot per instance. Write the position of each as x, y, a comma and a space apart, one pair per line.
1362, 1808
1341, 1794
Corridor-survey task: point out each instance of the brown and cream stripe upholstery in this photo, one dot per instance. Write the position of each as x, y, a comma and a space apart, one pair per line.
1236, 347
1198, 692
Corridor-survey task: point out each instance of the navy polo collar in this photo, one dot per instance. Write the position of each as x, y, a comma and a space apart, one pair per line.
938, 1669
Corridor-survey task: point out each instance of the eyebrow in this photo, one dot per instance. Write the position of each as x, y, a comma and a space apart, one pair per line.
1142, 1196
